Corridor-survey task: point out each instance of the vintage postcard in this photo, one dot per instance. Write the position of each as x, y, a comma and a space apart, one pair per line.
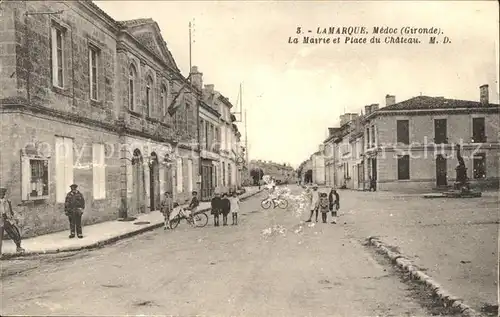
249, 158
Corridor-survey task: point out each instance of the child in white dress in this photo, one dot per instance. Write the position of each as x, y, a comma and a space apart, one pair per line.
235, 208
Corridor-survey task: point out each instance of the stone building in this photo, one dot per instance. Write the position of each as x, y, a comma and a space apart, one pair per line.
318, 166
87, 104
412, 144
210, 142
281, 172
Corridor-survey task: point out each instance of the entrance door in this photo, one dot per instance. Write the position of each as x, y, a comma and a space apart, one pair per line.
374, 172
154, 184
139, 189
441, 166
361, 175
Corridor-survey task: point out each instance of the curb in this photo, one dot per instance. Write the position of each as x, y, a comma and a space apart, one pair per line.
416, 274
102, 243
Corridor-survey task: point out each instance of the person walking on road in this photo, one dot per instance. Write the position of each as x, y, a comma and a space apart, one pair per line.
334, 200
216, 208
6, 222
314, 203
73, 208
225, 208
235, 207
167, 205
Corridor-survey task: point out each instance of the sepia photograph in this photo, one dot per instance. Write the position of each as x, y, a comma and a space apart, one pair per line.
280, 158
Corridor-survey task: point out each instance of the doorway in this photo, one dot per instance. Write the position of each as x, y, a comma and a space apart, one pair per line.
138, 186
154, 183
441, 166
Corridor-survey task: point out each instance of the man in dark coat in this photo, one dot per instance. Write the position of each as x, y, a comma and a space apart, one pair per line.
216, 208
73, 208
6, 219
225, 208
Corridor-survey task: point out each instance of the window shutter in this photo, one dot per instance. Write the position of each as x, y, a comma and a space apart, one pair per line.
54, 56
102, 169
25, 178
60, 169
68, 162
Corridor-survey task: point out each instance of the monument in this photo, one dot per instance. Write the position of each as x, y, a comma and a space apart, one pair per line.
461, 187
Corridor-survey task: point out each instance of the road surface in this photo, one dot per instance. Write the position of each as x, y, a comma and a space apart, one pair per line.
239, 270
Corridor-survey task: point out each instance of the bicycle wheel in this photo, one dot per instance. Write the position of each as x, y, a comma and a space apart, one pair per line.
266, 204
200, 220
283, 204
175, 222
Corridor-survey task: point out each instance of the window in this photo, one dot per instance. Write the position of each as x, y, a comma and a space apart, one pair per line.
57, 41
93, 73
149, 96
179, 175
478, 132
35, 178
212, 136
64, 167
403, 167
373, 142
163, 99
440, 131
229, 174
223, 174
368, 138
403, 131
186, 116
479, 162
217, 138
98, 171
190, 175
131, 87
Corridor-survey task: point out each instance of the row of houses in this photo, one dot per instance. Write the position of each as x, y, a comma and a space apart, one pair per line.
101, 103
410, 145
283, 173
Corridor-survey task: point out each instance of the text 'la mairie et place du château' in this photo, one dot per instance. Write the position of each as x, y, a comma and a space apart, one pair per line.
394, 35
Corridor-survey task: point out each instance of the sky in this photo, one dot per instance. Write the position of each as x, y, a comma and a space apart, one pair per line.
292, 93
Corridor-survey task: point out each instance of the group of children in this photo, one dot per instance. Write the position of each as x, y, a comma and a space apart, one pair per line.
324, 203
225, 205
220, 205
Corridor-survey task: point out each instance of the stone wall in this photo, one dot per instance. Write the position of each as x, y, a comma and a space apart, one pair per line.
44, 216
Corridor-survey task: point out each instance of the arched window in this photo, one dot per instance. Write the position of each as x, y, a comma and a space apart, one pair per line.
149, 95
163, 99
132, 76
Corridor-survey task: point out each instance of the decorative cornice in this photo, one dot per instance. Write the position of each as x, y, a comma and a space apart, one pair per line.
422, 112
116, 126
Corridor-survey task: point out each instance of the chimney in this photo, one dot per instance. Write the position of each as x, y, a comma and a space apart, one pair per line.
196, 78
331, 131
374, 107
484, 97
368, 110
390, 100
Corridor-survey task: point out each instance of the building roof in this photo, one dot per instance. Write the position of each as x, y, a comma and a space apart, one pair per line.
152, 39
429, 103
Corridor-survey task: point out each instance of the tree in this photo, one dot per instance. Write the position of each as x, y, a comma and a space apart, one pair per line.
256, 174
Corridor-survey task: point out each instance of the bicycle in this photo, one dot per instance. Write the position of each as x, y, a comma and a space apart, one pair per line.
280, 202
199, 219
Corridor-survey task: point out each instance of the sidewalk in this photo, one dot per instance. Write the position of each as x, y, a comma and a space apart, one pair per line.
453, 239
98, 234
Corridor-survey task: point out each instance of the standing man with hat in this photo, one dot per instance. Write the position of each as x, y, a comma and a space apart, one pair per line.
73, 208
314, 203
6, 218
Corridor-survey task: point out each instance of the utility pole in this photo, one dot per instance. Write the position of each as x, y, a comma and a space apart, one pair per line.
246, 142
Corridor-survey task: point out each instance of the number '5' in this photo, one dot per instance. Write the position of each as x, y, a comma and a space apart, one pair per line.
299, 30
